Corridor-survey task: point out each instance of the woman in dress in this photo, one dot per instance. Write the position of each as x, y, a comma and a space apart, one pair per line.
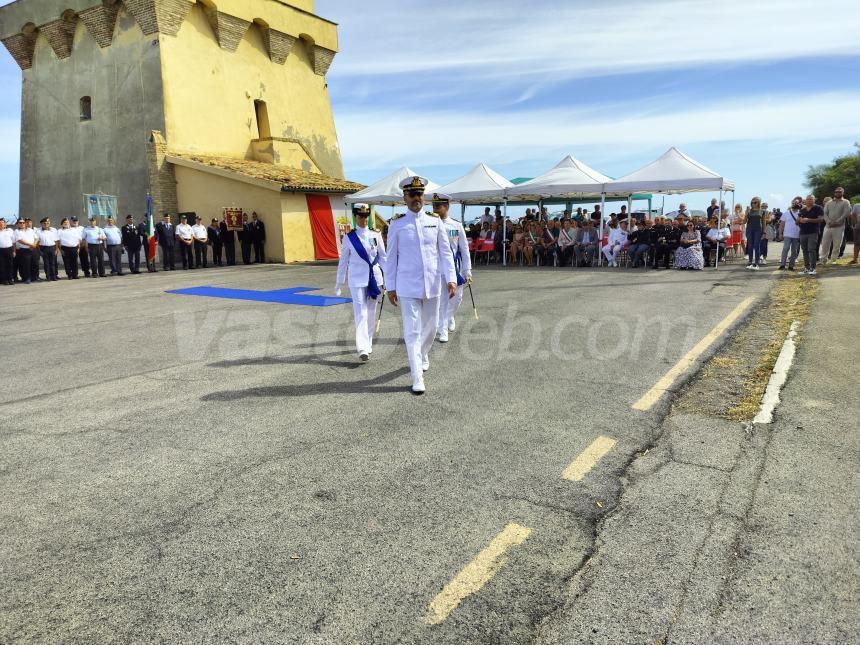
689, 254
518, 244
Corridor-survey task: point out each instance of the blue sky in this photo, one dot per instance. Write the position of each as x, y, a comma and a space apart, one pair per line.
755, 90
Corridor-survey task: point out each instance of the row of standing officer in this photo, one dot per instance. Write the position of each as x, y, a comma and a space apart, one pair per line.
80, 246
194, 240
426, 265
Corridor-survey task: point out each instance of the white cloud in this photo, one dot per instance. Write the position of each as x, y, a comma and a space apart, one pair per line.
10, 140
379, 138
510, 40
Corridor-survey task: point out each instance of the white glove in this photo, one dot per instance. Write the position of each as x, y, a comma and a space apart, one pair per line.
337, 290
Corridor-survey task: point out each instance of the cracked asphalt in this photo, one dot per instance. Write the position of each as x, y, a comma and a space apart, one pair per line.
187, 469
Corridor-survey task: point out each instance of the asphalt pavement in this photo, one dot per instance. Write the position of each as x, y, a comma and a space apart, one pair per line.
184, 469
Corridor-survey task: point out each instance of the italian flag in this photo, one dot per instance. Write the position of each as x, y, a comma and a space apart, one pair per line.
150, 229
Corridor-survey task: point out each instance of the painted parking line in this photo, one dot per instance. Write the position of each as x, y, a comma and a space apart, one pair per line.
688, 360
476, 574
588, 458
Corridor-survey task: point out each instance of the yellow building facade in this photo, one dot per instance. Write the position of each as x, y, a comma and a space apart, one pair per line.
204, 105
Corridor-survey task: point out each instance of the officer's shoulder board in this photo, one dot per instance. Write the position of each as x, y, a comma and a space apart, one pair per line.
396, 217
432, 215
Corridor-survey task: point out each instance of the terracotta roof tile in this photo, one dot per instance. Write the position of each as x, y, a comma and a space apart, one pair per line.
292, 179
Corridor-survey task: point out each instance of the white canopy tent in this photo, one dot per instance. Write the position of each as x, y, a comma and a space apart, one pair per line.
387, 191
480, 185
569, 178
673, 173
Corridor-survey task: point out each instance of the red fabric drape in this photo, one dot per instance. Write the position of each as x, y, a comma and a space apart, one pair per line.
322, 227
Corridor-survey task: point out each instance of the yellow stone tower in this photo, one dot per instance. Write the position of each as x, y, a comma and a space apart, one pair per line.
205, 105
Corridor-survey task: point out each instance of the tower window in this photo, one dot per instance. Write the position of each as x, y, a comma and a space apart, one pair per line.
86, 108
262, 119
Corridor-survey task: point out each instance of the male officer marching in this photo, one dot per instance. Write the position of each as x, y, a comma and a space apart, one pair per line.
462, 265
419, 257
363, 253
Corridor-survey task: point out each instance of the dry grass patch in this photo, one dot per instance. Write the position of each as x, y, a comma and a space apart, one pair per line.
791, 299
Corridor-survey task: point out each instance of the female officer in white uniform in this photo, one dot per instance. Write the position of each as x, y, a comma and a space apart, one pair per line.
362, 255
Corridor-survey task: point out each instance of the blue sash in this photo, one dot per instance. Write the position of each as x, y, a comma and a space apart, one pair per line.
458, 259
372, 287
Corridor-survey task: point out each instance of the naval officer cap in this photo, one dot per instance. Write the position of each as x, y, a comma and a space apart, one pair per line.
414, 183
441, 198
361, 209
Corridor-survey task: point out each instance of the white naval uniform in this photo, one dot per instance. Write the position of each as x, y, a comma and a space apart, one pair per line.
363, 307
419, 259
448, 308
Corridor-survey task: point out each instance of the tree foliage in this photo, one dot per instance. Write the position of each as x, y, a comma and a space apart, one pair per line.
843, 171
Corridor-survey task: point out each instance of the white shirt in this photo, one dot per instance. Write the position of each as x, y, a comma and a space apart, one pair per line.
49, 237
352, 267
459, 242
488, 218
790, 227
419, 256
7, 238
199, 233
184, 231
24, 238
69, 236
113, 235
718, 234
80, 231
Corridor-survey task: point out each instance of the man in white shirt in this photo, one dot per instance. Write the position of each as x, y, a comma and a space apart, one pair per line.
26, 245
789, 231
419, 256
717, 240
95, 239
462, 266
362, 255
48, 244
70, 243
487, 218
201, 241
185, 237
7, 254
83, 254
113, 243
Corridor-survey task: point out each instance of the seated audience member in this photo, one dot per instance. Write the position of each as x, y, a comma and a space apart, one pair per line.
689, 252
587, 242
548, 245
532, 239
716, 240
518, 243
640, 243
566, 239
668, 239
617, 241
486, 232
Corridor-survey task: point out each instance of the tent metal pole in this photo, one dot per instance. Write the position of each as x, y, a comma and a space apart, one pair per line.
600, 238
504, 231
719, 228
463, 215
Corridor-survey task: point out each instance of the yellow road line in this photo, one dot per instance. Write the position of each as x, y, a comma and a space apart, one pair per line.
587, 459
476, 574
653, 395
